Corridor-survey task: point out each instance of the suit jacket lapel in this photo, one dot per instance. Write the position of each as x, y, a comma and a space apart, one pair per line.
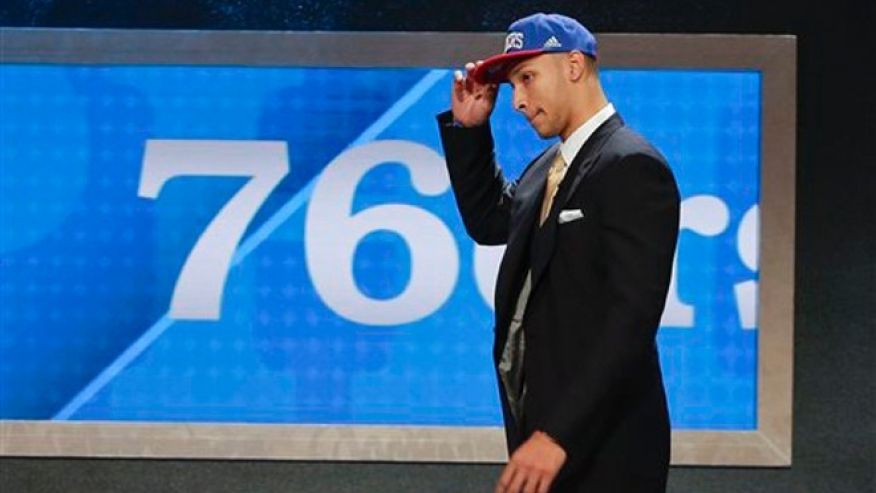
530, 192
532, 196
588, 154
578, 170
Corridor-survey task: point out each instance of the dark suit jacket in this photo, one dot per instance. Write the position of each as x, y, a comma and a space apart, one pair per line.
599, 284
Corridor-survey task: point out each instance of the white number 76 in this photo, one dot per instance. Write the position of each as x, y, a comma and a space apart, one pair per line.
199, 288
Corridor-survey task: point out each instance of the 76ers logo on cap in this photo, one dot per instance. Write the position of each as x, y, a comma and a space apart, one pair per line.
514, 40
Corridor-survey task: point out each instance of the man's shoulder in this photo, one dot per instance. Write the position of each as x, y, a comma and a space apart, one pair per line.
628, 153
626, 142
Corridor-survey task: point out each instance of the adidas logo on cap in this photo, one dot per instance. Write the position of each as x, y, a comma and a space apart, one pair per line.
552, 42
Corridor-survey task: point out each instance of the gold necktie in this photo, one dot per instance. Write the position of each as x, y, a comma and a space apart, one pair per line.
555, 176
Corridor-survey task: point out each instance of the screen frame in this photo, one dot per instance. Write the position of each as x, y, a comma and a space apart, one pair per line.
774, 56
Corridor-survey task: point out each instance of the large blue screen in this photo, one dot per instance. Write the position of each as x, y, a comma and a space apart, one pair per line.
280, 245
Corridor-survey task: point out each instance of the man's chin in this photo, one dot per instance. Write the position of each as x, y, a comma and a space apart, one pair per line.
545, 133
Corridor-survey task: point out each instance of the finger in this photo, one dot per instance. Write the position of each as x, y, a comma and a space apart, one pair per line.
533, 481
490, 91
544, 483
460, 81
457, 89
472, 67
521, 476
505, 479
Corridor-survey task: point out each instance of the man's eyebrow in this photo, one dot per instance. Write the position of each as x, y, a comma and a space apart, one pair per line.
520, 67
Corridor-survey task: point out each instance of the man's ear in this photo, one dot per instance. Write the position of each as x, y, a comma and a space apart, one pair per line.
576, 66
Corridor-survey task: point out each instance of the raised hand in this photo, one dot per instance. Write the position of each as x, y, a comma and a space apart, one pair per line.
471, 102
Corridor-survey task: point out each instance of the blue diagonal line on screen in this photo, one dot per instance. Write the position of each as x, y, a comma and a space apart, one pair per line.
247, 246
115, 368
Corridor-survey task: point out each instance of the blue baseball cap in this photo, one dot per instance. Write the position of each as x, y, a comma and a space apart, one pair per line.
532, 36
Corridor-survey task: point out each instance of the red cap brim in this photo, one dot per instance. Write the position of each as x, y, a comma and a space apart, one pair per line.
495, 69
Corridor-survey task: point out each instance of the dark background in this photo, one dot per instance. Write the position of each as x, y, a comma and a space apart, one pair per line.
834, 398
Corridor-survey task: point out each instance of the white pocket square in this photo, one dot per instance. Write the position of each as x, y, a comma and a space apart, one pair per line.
570, 215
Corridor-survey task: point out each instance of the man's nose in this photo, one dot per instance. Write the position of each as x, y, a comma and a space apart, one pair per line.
518, 100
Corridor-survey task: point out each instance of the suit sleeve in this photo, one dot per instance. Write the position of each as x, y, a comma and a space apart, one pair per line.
639, 209
482, 193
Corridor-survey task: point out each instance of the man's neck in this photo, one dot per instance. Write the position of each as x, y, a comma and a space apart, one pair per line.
590, 105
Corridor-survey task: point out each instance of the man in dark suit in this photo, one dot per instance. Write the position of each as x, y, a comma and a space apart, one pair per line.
590, 227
